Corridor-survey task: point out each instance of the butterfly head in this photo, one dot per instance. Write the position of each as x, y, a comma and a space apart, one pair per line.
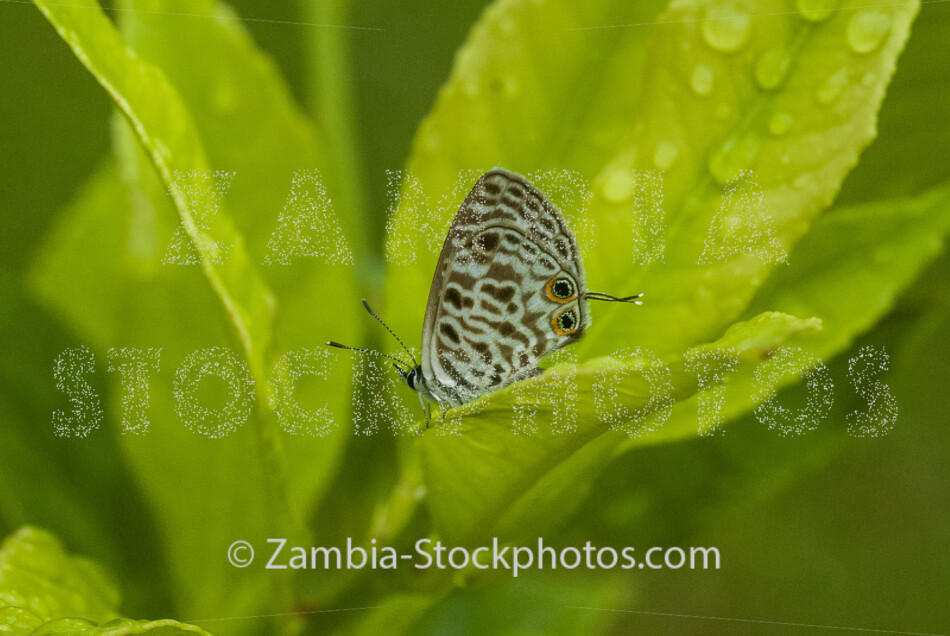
411, 377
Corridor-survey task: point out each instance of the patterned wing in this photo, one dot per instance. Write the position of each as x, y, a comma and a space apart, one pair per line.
507, 290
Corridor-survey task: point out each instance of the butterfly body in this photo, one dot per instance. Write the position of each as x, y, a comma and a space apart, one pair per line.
508, 290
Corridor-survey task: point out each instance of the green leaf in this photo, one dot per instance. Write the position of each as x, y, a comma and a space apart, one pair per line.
118, 627
331, 93
138, 303
493, 480
355, 77
36, 572
167, 133
45, 590
848, 272
728, 473
84, 297
397, 615
546, 603
678, 96
224, 84
474, 125
783, 499
908, 155
228, 84
165, 129
83, 484
699, 96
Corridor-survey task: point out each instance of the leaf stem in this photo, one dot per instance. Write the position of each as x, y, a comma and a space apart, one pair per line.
332, 103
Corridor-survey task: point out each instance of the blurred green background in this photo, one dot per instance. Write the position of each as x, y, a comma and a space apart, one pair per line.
822, 529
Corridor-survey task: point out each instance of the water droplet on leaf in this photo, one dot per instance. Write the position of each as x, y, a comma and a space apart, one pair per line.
816, 10
833, 87
470, 86
224, 97
804, 181
665, 154
867, 29
506, 25
772, 67
618, 186
507, 86
725, 28
430, 139
780, 124
734, 156
702, 79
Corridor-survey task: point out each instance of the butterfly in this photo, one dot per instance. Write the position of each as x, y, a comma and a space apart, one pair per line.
509, 288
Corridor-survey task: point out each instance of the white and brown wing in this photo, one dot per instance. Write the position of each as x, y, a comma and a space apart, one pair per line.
507, 290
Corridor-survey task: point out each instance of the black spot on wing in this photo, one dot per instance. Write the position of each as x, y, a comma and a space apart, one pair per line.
449, 332
453, 297
483, 350
547, 225
488, 241
492, 188
499, 293
490, 307
508, 330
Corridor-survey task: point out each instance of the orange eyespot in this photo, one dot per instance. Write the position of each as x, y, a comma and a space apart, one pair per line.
560, 289
565, 323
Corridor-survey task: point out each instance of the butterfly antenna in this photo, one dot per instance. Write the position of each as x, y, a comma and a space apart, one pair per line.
391, 332
402, 366
613, 299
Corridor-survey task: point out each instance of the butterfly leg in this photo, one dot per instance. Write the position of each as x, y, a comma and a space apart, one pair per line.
425, 409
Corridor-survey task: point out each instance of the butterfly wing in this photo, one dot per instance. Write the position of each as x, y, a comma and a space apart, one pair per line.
507, 291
